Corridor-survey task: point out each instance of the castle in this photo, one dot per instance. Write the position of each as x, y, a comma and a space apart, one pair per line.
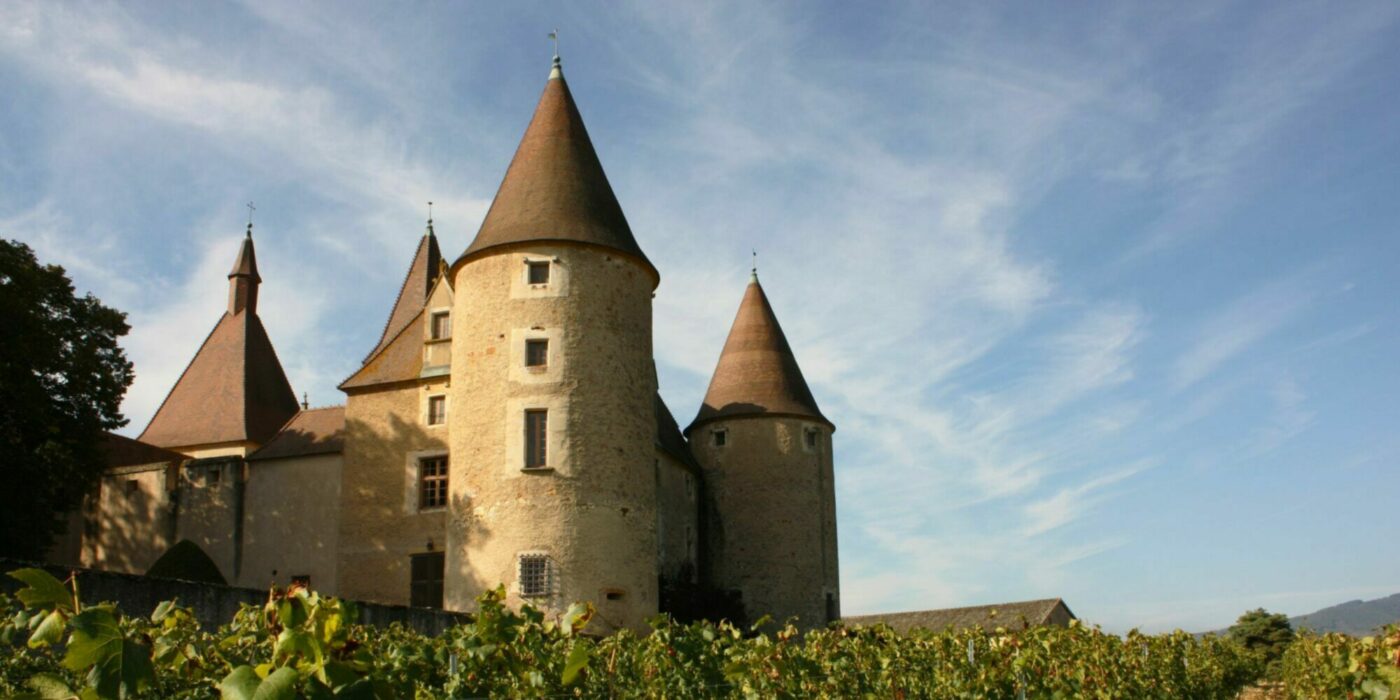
505, 429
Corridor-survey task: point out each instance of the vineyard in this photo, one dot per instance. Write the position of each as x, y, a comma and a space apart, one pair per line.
301, 644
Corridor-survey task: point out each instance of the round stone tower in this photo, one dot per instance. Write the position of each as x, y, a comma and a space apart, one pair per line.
765, 449
551, 402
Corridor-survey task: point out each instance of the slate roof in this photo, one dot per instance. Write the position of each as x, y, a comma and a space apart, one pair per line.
122, 451
757, 373
399, 360
669, 438
1030, 613
311, 432
555, 188
413, 293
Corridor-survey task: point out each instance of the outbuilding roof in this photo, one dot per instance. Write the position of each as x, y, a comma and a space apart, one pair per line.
555, 189
311, 432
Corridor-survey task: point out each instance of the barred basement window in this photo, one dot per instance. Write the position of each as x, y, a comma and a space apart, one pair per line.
536, 438
535, 576
432, 483
536, 353
425, 580
538, 272
437, 410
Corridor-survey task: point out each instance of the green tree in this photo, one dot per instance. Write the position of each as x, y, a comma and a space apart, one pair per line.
1265, 633
62, 377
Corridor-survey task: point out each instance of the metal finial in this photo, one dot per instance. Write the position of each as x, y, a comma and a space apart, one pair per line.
430, 213
250, 218
555, 71
753, 272
305, 402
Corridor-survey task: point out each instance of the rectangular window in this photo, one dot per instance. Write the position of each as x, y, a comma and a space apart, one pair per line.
536, 438
441, 326
538, 272
132, 486
432, 483
811, 438
425, 580
534, 575
437, 410
536, 353
721, 437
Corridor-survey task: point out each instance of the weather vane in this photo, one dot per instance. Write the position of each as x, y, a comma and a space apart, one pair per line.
555, 36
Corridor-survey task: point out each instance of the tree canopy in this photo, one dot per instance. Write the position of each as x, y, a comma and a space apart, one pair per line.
62, 376
1266, 633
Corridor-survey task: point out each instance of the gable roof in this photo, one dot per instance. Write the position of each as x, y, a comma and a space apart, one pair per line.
1029, 613
311, 432
233, 390
413, 293
399, 360
757, 373
555, 188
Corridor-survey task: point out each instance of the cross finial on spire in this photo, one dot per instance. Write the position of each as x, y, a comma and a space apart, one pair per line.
430, 213
250, 217
305, 401
753, 272
554, 71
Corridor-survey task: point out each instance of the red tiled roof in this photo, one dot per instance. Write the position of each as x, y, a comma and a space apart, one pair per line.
401, 359
757, 373
555, 188
417, 284
122, 451
310, 432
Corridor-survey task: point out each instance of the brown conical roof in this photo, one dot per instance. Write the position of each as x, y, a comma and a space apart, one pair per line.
417, 284
234, 389
757, 372
555, 188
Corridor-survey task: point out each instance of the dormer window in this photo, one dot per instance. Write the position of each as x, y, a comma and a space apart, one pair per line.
537, 271
440, 326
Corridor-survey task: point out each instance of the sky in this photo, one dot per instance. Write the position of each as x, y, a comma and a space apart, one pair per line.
1101, 298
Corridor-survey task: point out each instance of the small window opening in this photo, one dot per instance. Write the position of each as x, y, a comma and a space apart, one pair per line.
425, 580
432, 483
534, 575
212, 478
537, 352
538, 272
811, 435
614, 593
441, 326
437, 410
831, 612
720, 437
132, 486
536, 438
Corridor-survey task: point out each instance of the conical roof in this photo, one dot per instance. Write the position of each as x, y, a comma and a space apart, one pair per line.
234, 389
417, 283
555, 188
757, 372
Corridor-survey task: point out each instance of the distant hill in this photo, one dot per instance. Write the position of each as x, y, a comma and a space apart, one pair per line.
1357, 617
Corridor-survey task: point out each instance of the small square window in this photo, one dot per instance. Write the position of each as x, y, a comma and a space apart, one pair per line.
720, 437
811, 436
437, 410
538, 272
132, 486
536, 438
537, 352
535, 573
441, 326
432, 483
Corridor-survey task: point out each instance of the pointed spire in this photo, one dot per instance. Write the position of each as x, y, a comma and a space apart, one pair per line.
417, 283
243, 279
555, 189
757, 373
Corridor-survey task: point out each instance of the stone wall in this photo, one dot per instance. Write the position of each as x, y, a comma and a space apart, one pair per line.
291, 518
772, 536
381, 524
593, 511
213, 605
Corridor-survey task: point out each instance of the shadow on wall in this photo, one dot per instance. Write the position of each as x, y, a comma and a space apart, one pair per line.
134, 524
383, 521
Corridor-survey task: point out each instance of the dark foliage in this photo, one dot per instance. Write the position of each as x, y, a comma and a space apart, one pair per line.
62, 377
1265, 633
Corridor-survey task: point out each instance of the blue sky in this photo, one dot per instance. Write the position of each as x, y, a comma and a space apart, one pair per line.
1101, 299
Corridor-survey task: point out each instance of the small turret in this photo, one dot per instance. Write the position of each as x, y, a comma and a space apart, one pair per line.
243, 280
765, 448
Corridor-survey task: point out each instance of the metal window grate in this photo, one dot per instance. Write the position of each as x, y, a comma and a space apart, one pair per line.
534, 575
432, 482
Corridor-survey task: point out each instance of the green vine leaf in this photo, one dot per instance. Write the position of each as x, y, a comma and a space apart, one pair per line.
43, 590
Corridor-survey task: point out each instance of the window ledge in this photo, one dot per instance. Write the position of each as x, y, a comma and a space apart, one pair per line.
537, 470
438, 341
434, 509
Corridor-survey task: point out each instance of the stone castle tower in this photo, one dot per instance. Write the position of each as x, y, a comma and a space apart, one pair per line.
766, 452
552, 428
506, 429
